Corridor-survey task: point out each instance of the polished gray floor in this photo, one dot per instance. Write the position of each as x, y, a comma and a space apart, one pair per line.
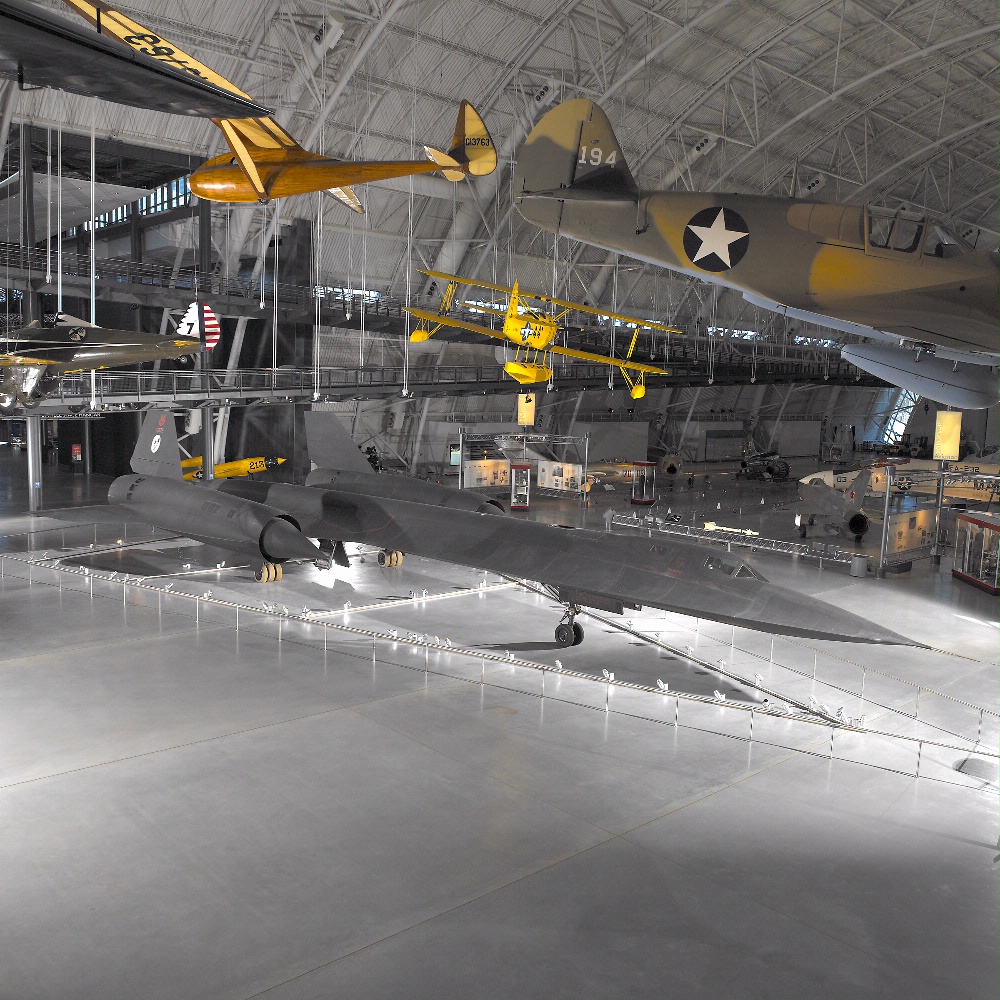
192, 811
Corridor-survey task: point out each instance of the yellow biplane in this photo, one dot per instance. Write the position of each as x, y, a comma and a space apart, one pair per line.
534, 332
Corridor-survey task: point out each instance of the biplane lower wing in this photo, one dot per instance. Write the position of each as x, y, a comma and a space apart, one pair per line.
485, 331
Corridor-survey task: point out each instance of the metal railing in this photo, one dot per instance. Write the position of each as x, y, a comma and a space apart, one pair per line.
785, 727
824, 552
115, 388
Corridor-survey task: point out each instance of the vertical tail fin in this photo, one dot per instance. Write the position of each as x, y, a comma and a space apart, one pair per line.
857, 490
571, 154
157, 452
512, 307
472, 151
330, 444
190, 325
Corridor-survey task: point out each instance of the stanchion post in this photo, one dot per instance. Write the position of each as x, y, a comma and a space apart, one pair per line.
751, 725
920, 751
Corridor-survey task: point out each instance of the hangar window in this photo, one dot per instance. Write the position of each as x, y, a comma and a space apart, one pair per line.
900, 230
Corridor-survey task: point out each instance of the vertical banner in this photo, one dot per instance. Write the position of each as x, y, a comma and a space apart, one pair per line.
947, 434
526, 409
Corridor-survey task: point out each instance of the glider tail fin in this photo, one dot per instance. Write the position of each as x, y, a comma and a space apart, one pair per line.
472, 152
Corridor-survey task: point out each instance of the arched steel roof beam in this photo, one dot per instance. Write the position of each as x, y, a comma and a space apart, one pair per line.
860, 112
854, 84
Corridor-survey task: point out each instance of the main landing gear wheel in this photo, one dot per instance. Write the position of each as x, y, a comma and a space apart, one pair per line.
568, 632
564, 635
390, 557
268, 573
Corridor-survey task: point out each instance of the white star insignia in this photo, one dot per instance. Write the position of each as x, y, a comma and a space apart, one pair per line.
715, 239
526, 332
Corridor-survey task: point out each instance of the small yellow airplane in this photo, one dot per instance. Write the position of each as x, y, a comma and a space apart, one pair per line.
264, 161
228, 470
534, 332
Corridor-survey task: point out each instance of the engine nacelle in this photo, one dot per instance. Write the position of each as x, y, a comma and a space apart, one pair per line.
965, 386
215, 518
858, 524
407, 488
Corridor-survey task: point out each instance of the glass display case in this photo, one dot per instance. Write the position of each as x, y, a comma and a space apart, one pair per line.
976, 550
520, 486
644, 483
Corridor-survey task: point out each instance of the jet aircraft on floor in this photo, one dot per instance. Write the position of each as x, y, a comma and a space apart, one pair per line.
878, 273
264, 161
837, 511
33, 358
271, 523
534, 331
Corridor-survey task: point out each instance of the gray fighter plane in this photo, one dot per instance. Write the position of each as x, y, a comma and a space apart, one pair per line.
271, 523
841, 511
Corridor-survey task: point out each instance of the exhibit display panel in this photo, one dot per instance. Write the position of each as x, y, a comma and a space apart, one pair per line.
976, 550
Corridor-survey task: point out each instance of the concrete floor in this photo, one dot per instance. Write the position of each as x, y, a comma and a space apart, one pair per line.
188, 810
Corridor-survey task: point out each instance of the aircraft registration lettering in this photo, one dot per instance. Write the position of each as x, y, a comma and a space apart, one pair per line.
158, 50
595, 157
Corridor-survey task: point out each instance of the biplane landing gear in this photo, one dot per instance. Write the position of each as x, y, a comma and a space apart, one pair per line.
390, 557
569, 632
268, 573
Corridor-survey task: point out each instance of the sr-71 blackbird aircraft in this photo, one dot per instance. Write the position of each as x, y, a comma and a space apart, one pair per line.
264, 161
271, 523
33, 358
39, 49
878, 273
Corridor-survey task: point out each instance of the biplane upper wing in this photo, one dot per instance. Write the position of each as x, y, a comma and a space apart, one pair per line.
563, 303
636, 366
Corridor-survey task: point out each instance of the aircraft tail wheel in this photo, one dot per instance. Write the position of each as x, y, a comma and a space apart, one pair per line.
577, 633
277, 571
383, 559
564, 635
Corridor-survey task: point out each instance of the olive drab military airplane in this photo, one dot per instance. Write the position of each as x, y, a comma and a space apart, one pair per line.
880, 274
534, 332
264, 161
33, 358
